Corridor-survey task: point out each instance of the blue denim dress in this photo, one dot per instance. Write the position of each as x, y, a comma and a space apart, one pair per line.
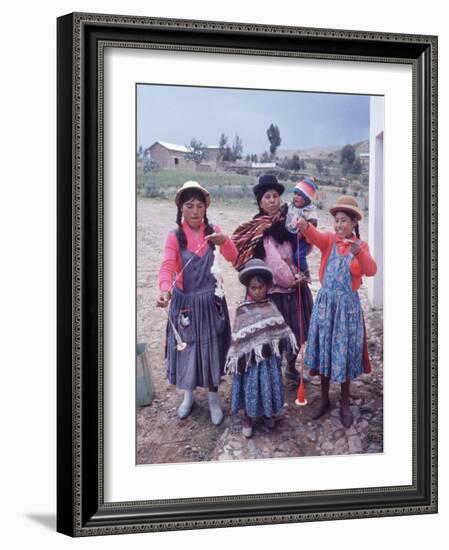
202, 321
335, 341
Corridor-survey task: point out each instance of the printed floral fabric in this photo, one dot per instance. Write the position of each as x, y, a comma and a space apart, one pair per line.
335, 340
259, 390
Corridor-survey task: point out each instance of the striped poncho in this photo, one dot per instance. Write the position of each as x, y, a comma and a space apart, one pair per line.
259, 329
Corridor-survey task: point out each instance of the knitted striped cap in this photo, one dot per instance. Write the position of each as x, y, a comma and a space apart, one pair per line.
307, 188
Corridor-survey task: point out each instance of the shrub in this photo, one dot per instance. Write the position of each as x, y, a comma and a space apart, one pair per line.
243, 171
153, 191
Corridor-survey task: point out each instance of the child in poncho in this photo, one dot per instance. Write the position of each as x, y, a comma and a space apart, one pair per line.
260, 337
301, 206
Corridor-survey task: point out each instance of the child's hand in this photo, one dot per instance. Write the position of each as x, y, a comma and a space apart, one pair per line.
356, 247
302, 224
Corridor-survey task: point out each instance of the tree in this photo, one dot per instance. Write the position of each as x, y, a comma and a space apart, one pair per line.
295, 163
197, 151
274, 137
222, 145
356, 167
265, 157
150, 165
237, 148
319, 166
140, 152
347, 158
227, 154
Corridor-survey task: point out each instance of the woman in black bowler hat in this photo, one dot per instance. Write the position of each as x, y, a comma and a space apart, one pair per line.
265, 237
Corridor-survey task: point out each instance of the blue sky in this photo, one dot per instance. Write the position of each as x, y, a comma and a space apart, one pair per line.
176, 114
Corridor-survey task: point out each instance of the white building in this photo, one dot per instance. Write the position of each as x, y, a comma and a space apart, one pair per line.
376, 199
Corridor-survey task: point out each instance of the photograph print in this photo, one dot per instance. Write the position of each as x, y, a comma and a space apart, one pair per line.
259, 270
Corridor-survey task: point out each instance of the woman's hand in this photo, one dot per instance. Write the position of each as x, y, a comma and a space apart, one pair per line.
217, 238
355, 247
164, 298
302, 224
301, 278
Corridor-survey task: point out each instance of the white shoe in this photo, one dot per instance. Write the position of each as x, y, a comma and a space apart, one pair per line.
216, 414
186, 406
247, 428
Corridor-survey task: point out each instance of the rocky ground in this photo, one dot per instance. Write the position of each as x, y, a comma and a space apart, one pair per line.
163, 438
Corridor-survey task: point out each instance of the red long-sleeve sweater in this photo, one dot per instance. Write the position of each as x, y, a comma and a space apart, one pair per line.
362, 264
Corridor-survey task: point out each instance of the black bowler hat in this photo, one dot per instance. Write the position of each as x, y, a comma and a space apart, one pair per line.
267, 181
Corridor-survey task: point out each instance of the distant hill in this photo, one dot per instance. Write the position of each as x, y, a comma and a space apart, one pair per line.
321, 152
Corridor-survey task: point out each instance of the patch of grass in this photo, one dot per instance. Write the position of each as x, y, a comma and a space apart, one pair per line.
175, 178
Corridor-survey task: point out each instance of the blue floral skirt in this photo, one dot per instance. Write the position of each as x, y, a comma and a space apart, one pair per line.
259, 390
335, 342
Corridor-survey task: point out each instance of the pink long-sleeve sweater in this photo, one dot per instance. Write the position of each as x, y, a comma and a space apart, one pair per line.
172, 264
279, 259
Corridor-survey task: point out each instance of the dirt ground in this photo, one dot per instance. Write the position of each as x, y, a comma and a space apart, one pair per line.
163, 438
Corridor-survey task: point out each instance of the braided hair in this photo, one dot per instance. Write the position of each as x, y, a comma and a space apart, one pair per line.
180, 235
356, 227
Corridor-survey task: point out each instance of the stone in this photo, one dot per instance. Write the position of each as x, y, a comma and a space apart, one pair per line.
355, 444
351, 431
362, 425
340, 445
224, 456
327, 447
338, 434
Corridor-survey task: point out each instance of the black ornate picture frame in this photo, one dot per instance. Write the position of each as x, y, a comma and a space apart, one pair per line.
81, 507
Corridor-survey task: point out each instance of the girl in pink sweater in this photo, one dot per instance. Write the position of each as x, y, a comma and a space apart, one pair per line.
198, 311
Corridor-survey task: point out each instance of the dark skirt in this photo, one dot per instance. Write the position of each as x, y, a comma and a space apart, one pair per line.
259, 391
202, 321
288, 305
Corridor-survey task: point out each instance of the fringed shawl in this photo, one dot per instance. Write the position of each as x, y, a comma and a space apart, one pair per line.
258, 326
249, 233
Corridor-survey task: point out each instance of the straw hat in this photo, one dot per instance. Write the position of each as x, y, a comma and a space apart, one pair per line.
255, 267
192, 185
346, 204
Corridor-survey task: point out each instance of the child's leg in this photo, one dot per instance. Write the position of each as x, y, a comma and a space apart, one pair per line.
247, 426
346, 416
324, 405
302, 251
269, 421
